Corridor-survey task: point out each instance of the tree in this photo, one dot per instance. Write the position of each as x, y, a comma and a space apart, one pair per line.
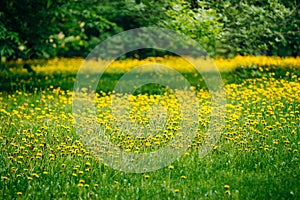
196, 20
47, 28
41, 28
258, 27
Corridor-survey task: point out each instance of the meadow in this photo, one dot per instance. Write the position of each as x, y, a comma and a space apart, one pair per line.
256, 157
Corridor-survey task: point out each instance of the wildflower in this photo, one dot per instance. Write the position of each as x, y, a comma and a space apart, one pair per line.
35, 175
226, 186
227, 192
183, 177
88, 169
19, 193
11, 157
176, 190
146, 176
171, 167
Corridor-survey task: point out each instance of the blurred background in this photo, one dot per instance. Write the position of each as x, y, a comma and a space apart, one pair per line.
34, 29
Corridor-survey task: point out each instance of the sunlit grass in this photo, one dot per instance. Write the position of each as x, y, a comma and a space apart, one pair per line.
256, 157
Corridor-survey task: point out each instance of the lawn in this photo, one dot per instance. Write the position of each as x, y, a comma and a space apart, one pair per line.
256, 156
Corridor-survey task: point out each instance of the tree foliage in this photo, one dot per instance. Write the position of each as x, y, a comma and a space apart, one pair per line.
47, 28
196, 20
259, 27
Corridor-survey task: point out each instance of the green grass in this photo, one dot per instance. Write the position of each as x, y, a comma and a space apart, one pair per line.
257, 154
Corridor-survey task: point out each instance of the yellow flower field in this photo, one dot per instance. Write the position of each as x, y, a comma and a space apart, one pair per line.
255, 157
72, 65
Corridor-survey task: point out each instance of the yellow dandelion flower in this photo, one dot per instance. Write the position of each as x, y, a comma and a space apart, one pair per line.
35, 175
146, 176
88, 169
226, 186
148, 144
